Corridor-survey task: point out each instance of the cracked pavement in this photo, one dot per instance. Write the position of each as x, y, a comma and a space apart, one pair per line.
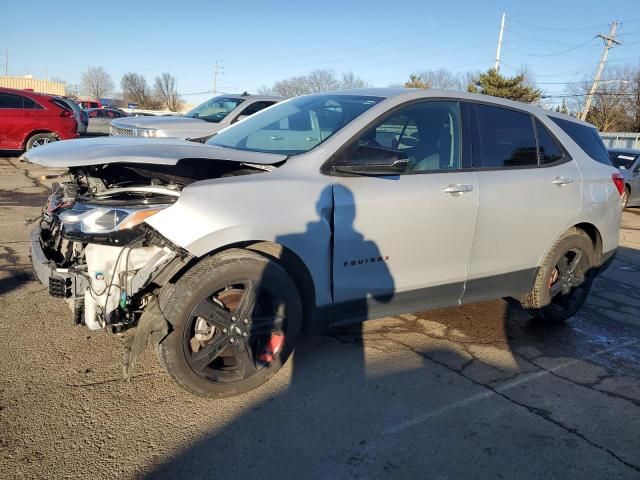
476, 391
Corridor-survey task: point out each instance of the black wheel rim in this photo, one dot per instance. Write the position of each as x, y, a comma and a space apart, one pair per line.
570, 281
234, 332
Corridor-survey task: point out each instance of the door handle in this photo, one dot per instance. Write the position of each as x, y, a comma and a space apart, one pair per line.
458, 188
562, 181
277, 137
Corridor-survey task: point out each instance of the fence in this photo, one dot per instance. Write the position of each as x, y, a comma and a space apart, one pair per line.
621, 139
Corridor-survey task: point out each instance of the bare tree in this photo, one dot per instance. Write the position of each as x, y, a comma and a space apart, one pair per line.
265, 90
315, 81
350, 81
167, 92
322, 81
633, 100
441, 79
135, 89
612, 106
96, 83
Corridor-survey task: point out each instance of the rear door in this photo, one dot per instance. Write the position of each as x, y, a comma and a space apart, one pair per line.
529, 190
402, 242
13, 121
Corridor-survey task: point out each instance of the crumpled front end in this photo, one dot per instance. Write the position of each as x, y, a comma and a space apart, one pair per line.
96, 252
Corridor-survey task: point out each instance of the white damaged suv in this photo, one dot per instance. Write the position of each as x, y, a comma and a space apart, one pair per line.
320, 211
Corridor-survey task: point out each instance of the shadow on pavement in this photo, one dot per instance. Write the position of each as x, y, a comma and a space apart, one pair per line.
406, 395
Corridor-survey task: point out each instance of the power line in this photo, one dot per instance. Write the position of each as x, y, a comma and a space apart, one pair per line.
555, 53
564, 29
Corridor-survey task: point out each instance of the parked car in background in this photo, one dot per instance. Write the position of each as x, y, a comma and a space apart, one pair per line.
84, 104
320, 211
29, 119
201, 122
100, 119
81, 116
627, 161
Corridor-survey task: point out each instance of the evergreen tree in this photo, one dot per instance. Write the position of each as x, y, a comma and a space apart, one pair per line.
496, 85
415, 82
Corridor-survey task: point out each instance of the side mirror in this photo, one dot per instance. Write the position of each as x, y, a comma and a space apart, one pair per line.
240, 117
368, 160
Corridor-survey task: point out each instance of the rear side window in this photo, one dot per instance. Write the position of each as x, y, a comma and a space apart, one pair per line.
507, 138
30, 104
8, 100
256, 107
549, 151
587, 139
62, 104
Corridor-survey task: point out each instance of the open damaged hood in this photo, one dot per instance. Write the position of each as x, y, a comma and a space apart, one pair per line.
102, 150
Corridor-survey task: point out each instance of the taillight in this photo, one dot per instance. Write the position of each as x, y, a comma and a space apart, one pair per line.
618, 180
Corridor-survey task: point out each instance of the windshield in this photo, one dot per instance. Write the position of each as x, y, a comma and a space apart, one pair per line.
214, 110
622, 160
295, 126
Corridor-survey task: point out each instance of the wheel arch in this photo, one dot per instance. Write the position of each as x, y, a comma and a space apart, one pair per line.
287, 258
596, 238
28, 136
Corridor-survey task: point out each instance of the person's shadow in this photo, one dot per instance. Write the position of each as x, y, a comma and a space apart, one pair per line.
281, 418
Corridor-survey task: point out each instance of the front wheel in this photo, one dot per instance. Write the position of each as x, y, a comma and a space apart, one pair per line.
235, 318
564, 279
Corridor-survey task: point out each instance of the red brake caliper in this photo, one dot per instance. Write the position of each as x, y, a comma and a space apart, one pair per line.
273, 347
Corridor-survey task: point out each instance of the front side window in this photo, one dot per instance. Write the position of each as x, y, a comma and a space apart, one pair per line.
507, 138
8, 100
586, 137
214, 110
428, 133
295, 126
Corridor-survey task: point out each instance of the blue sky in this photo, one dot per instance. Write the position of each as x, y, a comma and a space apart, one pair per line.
260, 42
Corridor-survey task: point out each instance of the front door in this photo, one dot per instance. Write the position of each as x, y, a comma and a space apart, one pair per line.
402, 243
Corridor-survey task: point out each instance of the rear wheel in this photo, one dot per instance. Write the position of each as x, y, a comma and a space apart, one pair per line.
235, 319
40, 139
564, 279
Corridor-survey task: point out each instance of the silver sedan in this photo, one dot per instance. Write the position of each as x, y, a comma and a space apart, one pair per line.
627, 161
100, 119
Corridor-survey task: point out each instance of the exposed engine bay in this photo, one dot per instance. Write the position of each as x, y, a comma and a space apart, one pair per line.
98, 252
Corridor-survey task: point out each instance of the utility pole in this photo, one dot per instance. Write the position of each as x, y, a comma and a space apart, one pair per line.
497, 64
217, 69
609, 41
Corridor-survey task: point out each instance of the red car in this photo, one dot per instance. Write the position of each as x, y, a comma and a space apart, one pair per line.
29, 119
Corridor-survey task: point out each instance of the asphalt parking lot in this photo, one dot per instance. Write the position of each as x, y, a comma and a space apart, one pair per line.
479, 391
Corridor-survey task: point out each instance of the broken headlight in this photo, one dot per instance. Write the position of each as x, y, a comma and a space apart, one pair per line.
91, 219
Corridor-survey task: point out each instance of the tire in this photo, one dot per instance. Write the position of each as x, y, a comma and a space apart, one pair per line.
558, 293
627, 195
40, 139
199, 354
